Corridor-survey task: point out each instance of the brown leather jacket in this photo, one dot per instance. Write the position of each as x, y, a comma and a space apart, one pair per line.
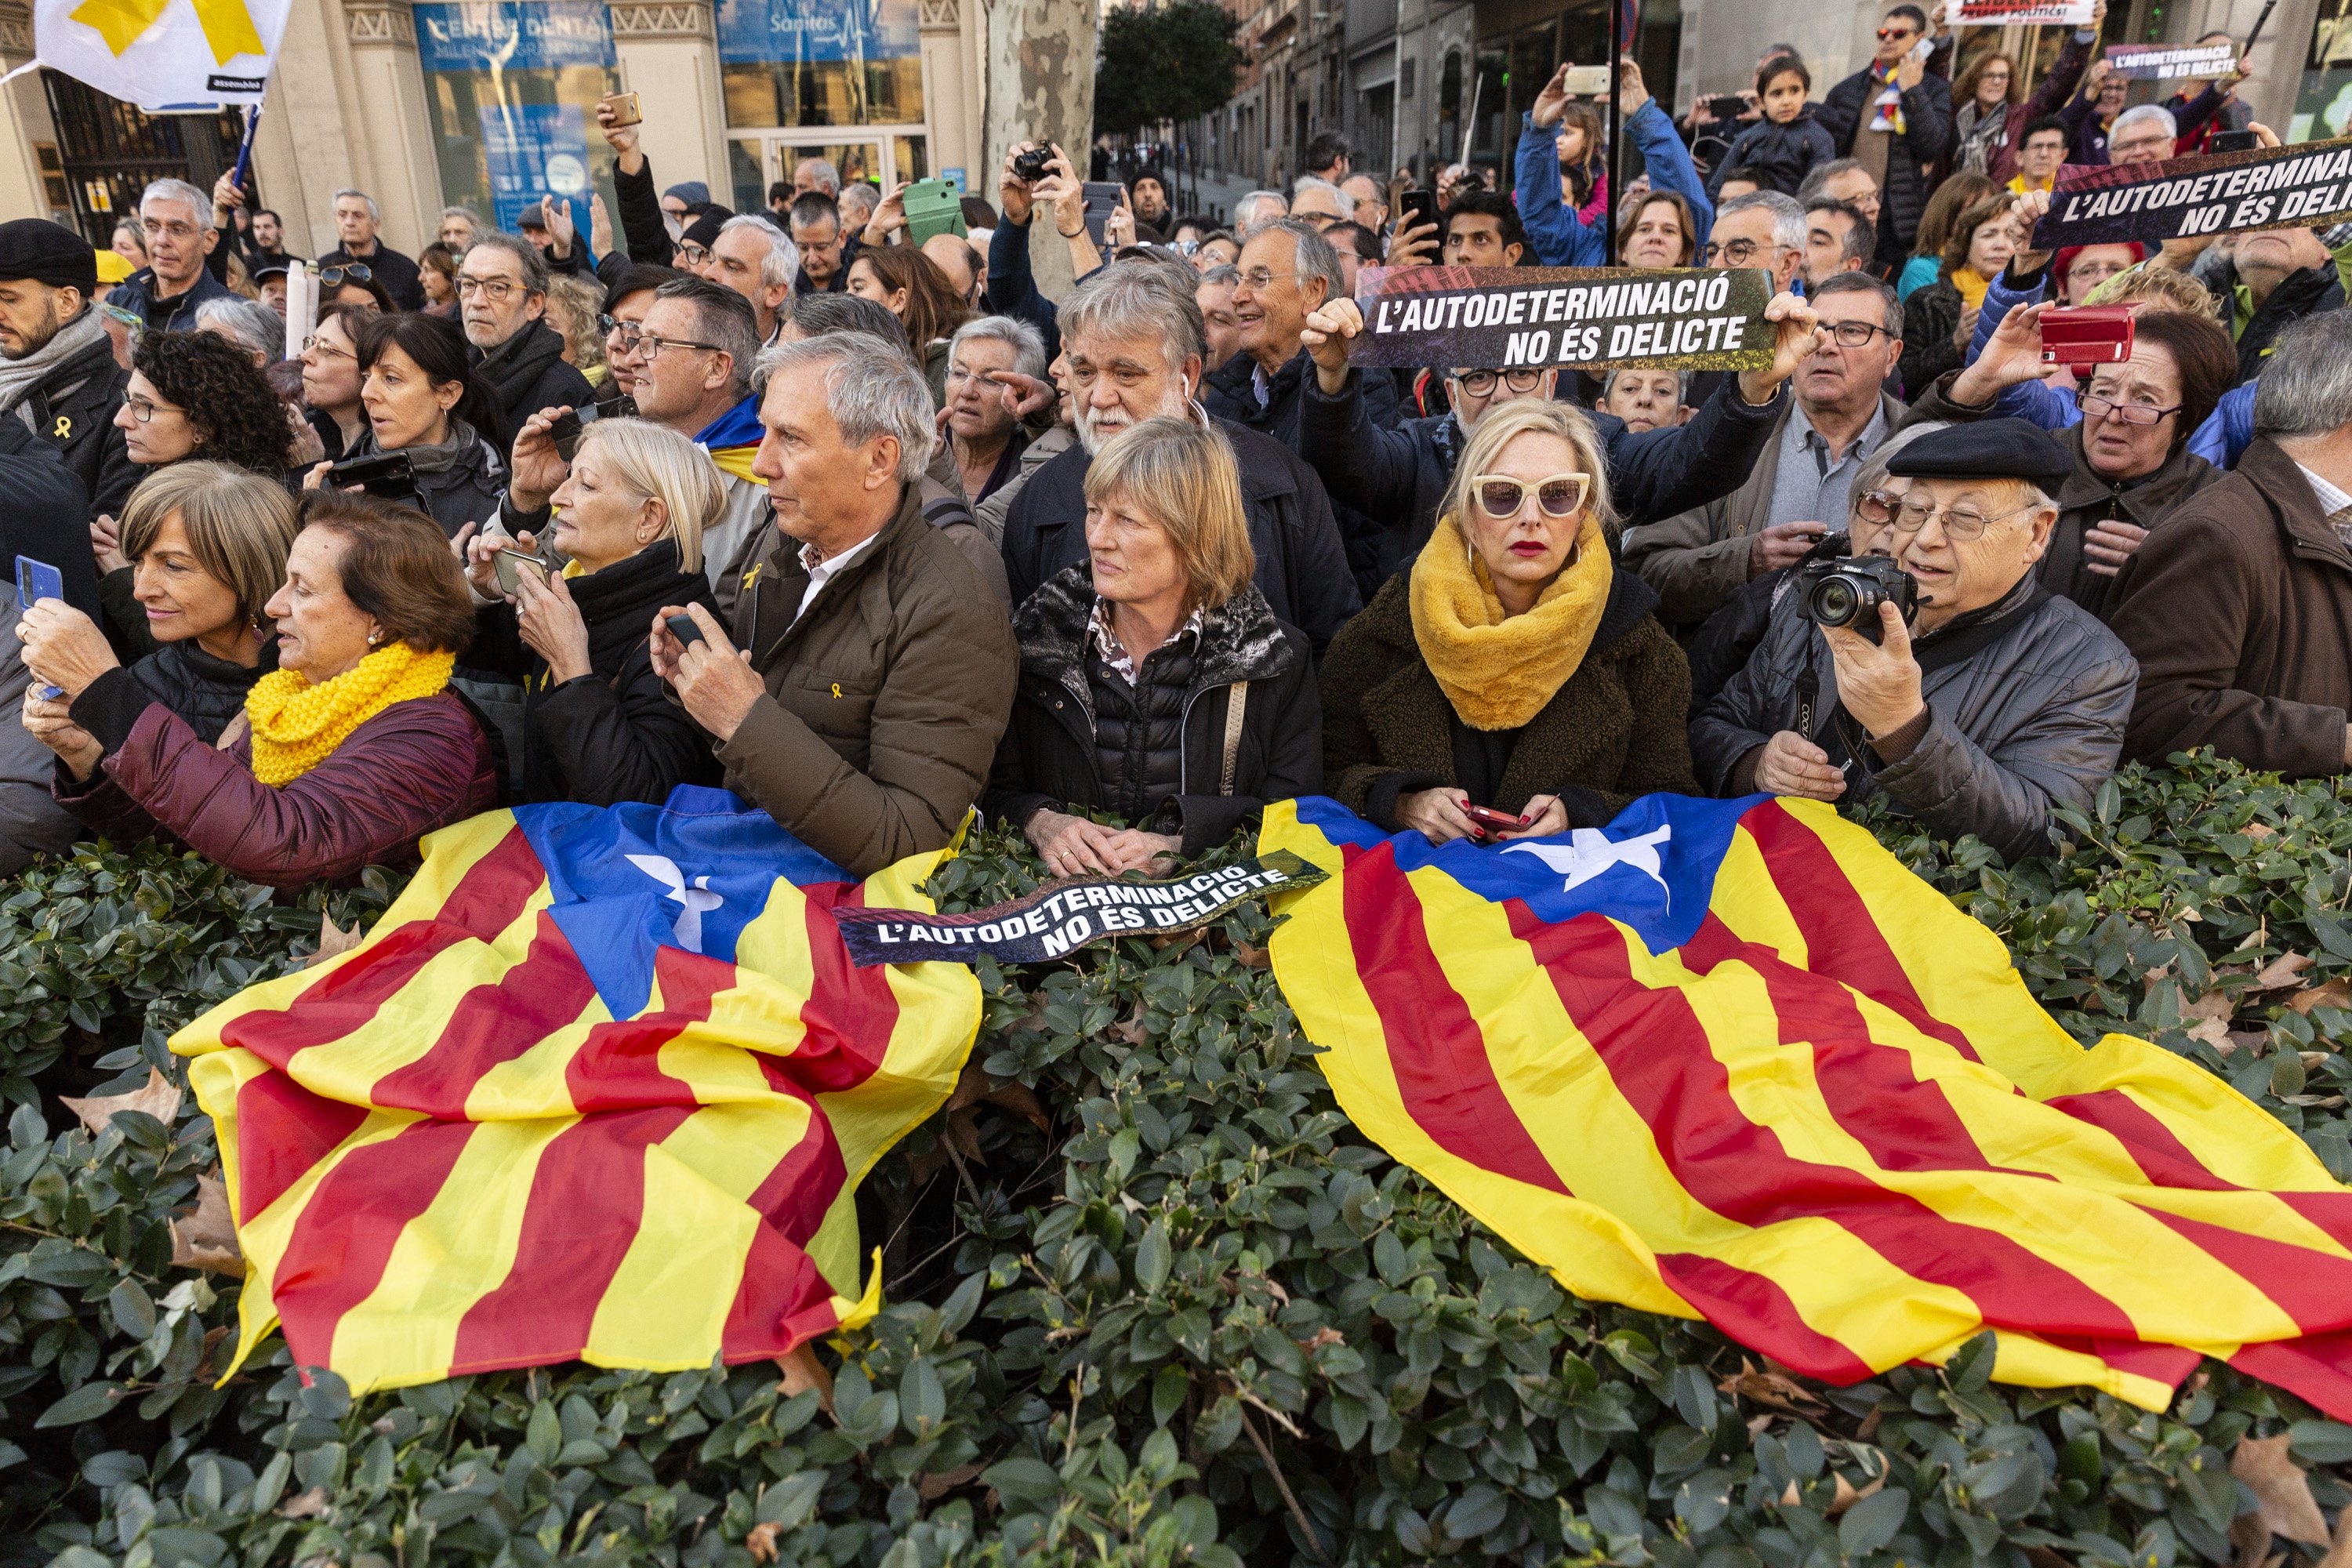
884, 700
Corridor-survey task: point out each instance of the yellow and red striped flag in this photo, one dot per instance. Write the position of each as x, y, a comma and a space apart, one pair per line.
600, 1086
1729, 1059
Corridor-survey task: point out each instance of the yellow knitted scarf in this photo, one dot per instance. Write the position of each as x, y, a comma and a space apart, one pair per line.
297, 725
1499, 673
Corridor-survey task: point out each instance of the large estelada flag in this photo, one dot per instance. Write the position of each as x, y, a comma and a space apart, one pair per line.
600, 1086
1729, 1059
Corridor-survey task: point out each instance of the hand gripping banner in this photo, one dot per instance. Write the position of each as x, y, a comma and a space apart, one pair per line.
1729, 1059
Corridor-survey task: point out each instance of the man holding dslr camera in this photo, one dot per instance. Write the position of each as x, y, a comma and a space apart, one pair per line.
1987, 704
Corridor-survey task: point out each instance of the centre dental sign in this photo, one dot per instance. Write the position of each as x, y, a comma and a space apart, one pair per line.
2180, 198
1594, 318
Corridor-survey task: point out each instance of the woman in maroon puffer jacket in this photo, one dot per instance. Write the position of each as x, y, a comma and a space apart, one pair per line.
343, 758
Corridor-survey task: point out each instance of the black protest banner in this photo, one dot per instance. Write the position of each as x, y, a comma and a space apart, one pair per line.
2181, 198
1052, 921
1594, 318
2162, 62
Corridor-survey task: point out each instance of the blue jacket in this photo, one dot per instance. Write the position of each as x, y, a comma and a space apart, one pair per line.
1012, 287
177, 313
1554, 233
1781, 156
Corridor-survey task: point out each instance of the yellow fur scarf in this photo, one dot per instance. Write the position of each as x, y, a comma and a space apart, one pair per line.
297, 725
1498, 673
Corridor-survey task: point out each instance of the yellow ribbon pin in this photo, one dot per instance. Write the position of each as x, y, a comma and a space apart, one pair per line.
64, 430
837, 689
227, 24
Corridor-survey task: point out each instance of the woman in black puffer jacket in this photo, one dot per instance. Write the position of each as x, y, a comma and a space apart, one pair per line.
207, 543
598, 726
1156, 684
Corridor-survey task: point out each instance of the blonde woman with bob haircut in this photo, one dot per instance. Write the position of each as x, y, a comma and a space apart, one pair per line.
1515, 667
206, 546
629, 518
1160, 702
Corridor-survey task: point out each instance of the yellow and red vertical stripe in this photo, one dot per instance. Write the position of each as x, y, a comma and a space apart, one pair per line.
446, 1155
1832, 1121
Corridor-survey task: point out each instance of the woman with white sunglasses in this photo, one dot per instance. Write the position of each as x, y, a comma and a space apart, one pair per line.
1514, 684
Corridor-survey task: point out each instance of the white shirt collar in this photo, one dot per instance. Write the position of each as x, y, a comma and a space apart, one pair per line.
2332, 498
822, 572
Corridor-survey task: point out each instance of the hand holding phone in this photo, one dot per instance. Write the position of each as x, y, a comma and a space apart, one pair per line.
36, 581
1490, 821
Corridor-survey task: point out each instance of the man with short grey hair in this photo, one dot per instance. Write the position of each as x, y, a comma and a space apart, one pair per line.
881, 669
2144, 133
460, 227
759, 261
1257, 208
356, 220
502, 303
1762, 229
1319, 201
1133, 340
2236, 607
816, 174
176, 220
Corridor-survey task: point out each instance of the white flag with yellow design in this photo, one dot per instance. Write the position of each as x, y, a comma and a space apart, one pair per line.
164, 54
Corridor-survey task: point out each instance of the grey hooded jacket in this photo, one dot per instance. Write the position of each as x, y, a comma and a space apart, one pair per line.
2035, 718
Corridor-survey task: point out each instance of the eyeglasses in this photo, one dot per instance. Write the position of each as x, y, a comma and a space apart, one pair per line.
357, 271
177, 230
494, 289
652, 347
145, 411
1263, 276
622, 337
319, 346
1854, 335
1734, 252
1888, 34
1479, 382
1960, 524
693, 255
1877, 507
2093, 406
1501, 495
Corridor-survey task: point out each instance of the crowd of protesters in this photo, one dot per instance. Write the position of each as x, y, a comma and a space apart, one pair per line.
872, 532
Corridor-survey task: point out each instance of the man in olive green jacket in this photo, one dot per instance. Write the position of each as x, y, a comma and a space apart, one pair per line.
877, 668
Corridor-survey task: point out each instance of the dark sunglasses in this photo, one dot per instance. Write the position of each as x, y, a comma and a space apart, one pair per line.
356, 271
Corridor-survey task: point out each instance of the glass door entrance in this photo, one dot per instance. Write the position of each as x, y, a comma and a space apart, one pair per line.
758, 160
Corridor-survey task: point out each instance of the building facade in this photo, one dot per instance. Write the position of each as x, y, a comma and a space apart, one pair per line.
492, 103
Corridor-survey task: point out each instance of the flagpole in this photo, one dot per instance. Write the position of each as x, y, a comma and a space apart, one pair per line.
1616, 70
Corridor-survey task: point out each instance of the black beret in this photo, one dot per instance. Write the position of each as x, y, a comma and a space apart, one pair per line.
704, 230
38, 249
1985, 449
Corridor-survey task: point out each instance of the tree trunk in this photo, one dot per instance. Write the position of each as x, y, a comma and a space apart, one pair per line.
1040, 87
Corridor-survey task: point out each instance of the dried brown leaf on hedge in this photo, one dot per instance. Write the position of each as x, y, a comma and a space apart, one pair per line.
1772, 1390
2336, 993
761, 1541
803, 1371
2280, 972
307, 1504
333, 941
2284, 1504
205, 1237
159, 1097
940, 1483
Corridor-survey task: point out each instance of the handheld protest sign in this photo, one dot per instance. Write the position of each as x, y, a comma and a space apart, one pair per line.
2166, 62
2180, 198
1591, 318
2018, 12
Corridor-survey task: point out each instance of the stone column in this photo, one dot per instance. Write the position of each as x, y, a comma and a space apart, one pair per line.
1040, 85
668, 53
392, 138
25, 115
952, 95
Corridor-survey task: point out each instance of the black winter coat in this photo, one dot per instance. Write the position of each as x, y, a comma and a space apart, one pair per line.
1302, 567
2299, 294
398, 273
1927, 138
1067, 746
527, 372
1782, 156
468, 490
612, 735
205, 690
1231, 394
1398, 473
1930, 317
73, 411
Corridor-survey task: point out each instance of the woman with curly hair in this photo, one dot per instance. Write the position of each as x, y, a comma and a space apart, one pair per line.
911, 286
196, 395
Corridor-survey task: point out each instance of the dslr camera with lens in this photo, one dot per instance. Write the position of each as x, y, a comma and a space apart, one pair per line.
1030, 166
1847, 592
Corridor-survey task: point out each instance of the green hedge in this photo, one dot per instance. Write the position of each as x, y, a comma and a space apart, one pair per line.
1193, 1317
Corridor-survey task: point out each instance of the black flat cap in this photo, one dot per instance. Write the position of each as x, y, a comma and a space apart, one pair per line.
704, 230
38, 249
1985, 449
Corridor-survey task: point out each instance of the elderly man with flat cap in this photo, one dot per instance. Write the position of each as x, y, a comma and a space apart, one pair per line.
1993, 703
58, 374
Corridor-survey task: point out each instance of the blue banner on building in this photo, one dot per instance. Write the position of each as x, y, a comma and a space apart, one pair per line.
535, 149
755, 32
505, 34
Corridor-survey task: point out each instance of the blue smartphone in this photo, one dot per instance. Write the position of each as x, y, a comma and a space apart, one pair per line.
38, 580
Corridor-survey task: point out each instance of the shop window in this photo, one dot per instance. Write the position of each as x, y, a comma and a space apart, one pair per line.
511, 90
821, 62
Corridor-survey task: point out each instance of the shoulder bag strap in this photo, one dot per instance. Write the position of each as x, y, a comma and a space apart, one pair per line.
1236, 704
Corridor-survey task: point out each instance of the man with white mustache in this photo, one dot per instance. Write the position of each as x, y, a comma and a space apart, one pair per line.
1134, 340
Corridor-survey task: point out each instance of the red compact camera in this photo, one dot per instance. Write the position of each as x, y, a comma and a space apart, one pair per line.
2087, 335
